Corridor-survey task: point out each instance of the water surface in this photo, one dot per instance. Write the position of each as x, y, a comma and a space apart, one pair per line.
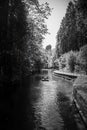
41, 105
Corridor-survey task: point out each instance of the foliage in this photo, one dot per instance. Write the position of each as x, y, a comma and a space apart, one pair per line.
66, 36
73, 29
12, 47
62, 61
67, 62
37, 18
55, 64
55, 60
23, 28
72, 34
82, 58
71, 61
81, 21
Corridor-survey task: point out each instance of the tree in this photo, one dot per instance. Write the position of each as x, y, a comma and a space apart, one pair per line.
72, 33
12, 40
22, 31
39, 29
83, 58
81, 18
71, 61
66, 36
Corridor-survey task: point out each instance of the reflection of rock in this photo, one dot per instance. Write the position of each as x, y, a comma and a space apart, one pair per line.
80, 96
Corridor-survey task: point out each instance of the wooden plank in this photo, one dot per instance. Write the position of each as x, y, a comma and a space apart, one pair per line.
70, 75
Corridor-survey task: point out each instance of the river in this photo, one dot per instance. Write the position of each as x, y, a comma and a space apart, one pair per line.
42, 105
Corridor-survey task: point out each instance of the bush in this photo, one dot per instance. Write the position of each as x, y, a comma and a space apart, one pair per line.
56, 64
62, 61
68, 62
71, 60
82, 58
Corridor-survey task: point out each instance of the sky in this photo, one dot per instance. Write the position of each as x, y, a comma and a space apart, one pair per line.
53, 22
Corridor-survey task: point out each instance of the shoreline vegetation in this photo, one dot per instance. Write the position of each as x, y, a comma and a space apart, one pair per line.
22, 53
71, 47
22, 30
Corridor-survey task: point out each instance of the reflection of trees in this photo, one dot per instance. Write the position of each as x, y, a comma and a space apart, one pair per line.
66, 111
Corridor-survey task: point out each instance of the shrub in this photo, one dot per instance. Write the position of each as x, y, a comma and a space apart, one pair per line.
56, 64
71, 60
62, 61
82, 58
67, 62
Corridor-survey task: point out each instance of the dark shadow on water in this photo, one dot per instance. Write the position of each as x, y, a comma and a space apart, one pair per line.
17, 112
15, 107
66, 111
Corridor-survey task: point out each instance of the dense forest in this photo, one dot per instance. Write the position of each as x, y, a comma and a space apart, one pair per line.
22, 29
71, 45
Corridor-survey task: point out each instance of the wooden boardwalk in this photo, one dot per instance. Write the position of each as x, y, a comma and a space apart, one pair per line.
66, 75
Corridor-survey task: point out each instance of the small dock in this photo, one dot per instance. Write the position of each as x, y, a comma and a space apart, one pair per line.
65, 75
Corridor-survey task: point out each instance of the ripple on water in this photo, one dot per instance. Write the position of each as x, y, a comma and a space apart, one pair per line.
66, 111
46, 109
52, 105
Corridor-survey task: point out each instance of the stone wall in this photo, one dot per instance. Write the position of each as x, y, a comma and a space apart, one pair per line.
80, 96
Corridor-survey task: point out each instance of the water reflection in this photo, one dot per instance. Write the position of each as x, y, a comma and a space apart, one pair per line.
41, 105
51, 105
66, 111
46, 109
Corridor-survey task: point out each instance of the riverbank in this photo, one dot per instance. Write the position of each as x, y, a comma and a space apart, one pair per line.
37, 99
80, 96
79, 92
